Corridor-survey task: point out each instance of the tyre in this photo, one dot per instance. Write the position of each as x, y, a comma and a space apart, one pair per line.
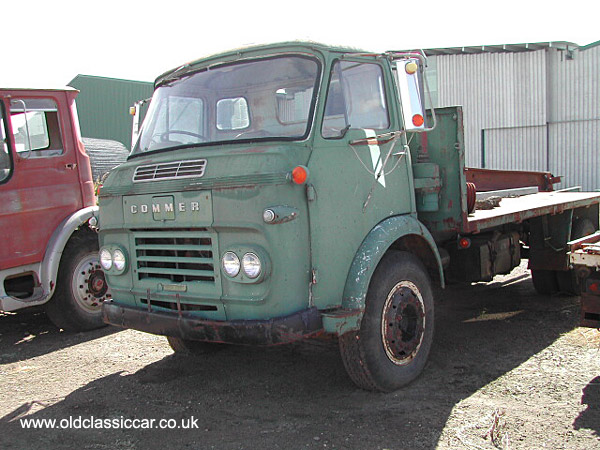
569, 282
544, 281
186, 346
392, 345
80, 287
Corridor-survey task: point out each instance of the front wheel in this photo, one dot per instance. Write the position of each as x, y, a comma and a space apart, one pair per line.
81, 288
392, 345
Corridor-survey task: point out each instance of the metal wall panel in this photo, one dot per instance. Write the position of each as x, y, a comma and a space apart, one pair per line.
574, 85
528, 110
574, 127
103, 106
574, 153
521, 148
497, 90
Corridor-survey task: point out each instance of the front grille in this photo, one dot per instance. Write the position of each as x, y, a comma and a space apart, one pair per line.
169, 171
175, 255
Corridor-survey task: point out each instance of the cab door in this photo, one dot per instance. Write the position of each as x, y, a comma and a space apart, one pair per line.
39, 181
351, 191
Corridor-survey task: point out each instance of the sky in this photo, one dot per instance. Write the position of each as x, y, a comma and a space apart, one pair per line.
53, 41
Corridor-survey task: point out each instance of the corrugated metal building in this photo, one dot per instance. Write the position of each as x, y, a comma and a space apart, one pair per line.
103, 106
526, 106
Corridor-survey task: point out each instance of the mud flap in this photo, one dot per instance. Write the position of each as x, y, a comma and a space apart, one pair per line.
590, 303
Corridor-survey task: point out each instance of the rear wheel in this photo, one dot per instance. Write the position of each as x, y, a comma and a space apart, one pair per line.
392, 345
544, 281
81, 288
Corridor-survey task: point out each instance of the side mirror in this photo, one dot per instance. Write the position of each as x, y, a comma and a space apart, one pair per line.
136, 112
409, 76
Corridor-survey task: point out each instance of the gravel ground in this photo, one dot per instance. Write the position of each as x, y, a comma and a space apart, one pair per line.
508, 369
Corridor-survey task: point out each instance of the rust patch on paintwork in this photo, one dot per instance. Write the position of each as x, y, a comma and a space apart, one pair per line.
493, 180
280, 330
451, 224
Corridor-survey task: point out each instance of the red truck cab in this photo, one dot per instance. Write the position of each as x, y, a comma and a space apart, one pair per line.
47, 210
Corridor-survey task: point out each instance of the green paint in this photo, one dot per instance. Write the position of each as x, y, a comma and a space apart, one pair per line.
330, 233
372, 249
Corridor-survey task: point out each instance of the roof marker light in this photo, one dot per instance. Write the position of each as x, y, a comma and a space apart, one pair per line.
411, 67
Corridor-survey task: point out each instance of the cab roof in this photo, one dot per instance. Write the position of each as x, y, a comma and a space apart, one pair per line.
255, 50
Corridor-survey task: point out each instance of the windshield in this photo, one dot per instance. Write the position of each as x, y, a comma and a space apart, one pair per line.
261, 99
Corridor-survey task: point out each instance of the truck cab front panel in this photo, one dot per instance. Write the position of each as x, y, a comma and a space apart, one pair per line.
176, 238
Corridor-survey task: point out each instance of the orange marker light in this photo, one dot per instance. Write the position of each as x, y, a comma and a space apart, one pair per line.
594, 288
411, 67
299, 174
418, 120
464, 243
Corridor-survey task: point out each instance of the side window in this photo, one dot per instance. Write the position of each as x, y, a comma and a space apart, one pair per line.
356, 98
293, 104
36, 128
232, 114
5, 165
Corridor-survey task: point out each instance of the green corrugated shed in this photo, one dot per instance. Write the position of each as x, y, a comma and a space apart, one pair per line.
103, 106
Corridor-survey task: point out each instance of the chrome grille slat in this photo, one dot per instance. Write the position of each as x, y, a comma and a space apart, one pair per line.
175, 256
170, 171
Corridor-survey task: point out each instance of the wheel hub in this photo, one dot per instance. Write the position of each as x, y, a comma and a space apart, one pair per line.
97, 284
403, 323
89, 284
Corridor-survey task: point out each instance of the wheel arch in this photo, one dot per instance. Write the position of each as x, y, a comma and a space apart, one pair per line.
57, 243
395, 233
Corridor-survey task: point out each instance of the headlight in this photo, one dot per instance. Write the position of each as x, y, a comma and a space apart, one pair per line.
231, 264
251, 265
106, 260
118, 259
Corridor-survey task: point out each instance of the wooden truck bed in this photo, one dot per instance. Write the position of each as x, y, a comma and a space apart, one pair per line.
518, 209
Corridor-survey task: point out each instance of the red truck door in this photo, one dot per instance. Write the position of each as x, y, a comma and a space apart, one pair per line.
39, 180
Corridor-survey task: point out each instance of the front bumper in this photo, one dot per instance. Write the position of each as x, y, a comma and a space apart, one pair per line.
279, 330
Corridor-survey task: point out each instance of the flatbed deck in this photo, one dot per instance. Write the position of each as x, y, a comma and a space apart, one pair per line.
518, 209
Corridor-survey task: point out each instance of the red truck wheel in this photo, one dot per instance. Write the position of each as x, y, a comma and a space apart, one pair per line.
396, 332
81, 288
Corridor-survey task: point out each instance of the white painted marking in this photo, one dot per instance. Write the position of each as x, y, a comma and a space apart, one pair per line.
375, 157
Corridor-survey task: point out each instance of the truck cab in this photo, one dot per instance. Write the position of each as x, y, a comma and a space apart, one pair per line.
47, 200
285, 191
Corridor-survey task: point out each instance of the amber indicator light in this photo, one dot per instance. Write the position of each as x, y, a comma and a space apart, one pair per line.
299, 175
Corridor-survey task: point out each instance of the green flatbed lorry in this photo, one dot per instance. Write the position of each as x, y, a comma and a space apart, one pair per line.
282, 192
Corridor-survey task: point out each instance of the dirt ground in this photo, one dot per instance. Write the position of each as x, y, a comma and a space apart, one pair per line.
508, 369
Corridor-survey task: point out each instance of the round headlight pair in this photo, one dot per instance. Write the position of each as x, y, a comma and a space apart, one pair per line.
250, 264
115, 259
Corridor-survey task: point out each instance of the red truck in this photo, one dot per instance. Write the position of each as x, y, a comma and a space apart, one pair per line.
48, 212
